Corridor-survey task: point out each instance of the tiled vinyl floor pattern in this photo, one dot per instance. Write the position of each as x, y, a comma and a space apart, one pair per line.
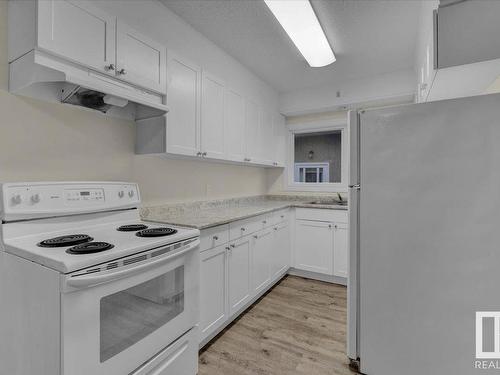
299, 328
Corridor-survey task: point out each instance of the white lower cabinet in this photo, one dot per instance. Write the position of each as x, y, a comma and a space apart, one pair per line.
314, 246
261, 259
239, 267
340, 249
213, 290
280, 260
321, 242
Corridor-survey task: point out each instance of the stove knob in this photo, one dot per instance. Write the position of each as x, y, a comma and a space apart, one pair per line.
131, 193
121, 194
35, 198
16, 199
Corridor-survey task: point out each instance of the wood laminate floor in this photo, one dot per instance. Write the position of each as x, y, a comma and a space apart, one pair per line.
298, 328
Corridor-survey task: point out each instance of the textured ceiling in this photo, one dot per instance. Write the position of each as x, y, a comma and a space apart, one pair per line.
369, 37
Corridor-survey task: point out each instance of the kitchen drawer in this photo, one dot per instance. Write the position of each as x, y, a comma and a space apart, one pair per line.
180, 358
240, 228
280, 216
321, 214
212, 237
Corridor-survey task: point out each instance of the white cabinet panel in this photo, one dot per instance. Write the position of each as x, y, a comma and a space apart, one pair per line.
213, 290
261, 259
183, 99
314, 246
281, 250
252, 121
77, 31
234, 128
280, 139
140, 60
266, 138
340, 250
239, 266
212, 117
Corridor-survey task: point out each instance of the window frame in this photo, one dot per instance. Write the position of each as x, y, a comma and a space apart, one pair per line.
336, 124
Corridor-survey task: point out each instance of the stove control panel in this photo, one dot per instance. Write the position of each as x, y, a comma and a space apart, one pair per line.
33, 200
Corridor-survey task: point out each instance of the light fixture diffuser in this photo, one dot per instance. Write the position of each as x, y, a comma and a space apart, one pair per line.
298, 19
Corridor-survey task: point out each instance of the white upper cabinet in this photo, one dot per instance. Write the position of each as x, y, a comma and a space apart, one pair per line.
280, 137
183, 99
252, 121
266, 139
77, 31
234, 125
212, 117
140, 60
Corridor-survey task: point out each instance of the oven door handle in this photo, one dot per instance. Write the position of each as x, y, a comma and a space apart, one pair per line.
85, 281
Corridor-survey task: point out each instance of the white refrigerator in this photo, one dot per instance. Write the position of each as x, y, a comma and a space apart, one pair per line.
425, 238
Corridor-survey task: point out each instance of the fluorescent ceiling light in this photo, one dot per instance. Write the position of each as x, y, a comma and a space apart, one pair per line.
298, 19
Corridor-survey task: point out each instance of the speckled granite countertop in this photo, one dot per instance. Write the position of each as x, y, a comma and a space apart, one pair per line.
206, 214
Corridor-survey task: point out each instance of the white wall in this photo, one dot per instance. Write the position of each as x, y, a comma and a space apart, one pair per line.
43, 141
386, 89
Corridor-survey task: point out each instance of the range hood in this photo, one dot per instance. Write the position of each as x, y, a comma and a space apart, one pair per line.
46, 77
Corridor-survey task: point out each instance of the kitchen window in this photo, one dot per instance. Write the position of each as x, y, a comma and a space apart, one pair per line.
318, 156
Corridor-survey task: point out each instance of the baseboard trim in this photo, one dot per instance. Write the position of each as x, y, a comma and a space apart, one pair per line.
318, 276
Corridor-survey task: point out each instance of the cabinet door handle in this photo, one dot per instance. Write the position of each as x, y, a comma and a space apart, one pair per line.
336, 227
282, 216
330, 226
275, 228
227, 248
264, 222
122, 72
109, 67
204, 154
215, 238
198, 154
243, 229
232, 245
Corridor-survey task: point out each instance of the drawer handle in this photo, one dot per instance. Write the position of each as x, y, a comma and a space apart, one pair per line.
282, 216
330, 226
256, 237
243, 229
264, 222
275, 228
233, 245
215, 238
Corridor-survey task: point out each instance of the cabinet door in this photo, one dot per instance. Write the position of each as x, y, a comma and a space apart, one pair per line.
212, 117
234, 126
280, 139
340, 250
261, 260
183, 100
267, 147
213, 290
239, 266
314, 246
77, 31
252, 120
140, 60
281, 250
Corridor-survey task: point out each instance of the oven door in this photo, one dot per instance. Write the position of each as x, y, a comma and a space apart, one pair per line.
116, 320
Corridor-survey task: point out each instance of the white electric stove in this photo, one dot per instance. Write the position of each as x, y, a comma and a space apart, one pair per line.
122, 293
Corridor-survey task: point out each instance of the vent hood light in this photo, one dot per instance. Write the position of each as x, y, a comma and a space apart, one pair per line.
298, 19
